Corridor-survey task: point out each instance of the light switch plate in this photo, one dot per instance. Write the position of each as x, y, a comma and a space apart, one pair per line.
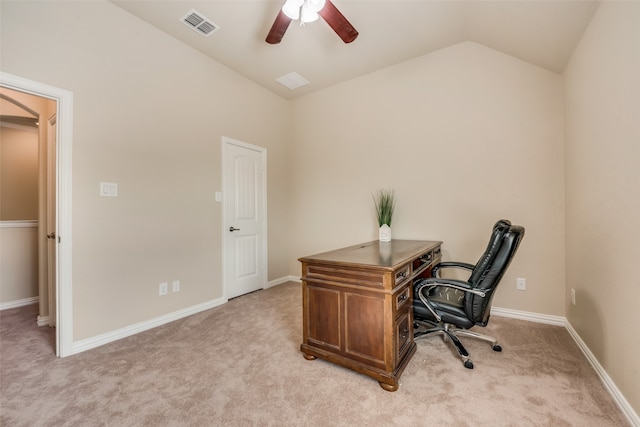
163, 289
109, 189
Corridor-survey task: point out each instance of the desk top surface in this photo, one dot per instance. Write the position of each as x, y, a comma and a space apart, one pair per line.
375, 254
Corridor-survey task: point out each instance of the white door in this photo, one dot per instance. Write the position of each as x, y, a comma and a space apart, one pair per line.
244, 219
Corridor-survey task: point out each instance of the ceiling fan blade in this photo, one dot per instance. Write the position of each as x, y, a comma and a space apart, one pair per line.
338, 22
278, 28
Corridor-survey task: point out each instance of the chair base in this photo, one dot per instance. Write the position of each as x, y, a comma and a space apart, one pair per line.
450, 332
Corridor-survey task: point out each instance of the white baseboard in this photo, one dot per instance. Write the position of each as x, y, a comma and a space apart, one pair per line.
282, 280
608, 383
527, 315
97, 341
19, 303
42, 321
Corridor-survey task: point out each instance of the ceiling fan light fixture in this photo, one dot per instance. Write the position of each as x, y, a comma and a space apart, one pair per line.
305, 10
292, 8
308, 11
315, 5
308, 15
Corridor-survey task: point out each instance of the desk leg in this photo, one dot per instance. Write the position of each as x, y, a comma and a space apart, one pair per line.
309, 356
388, 387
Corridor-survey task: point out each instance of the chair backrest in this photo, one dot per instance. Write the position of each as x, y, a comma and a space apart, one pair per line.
478, 308
499, 228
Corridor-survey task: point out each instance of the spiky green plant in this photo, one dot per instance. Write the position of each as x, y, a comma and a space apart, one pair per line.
385, 202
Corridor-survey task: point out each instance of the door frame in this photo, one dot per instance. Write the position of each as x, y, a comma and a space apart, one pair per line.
226, 141
64, 114
52, 134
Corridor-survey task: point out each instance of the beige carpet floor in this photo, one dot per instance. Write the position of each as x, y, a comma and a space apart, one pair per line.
240, 365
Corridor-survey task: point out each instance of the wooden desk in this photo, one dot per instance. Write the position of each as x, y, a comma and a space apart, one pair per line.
357, 305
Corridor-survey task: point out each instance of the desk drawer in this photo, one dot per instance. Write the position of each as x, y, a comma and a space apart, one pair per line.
346, 275
402, 298
426, 260
402, 275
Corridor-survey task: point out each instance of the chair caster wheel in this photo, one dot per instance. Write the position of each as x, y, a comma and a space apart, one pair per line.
468, 364
496, 348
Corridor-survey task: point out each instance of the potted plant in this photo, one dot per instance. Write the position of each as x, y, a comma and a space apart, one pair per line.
385, 203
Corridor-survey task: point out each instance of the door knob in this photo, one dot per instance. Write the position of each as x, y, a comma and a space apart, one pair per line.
231, 229
51, 235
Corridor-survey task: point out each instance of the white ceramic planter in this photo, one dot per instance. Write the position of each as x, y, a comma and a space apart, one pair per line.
384, 233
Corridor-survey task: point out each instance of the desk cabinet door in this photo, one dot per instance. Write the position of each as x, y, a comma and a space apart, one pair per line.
323, 317
404, 332
365, 327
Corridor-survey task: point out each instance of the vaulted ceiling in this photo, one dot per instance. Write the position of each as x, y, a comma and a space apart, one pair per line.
542, 32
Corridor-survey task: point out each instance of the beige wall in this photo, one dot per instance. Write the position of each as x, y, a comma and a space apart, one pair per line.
149, 114
18, 173
465, 136
602, 86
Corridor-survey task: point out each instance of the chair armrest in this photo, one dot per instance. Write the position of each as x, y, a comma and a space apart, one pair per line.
432, 282
450, 264
418, 288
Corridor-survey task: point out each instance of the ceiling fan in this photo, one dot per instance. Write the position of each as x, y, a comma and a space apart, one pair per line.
308, 11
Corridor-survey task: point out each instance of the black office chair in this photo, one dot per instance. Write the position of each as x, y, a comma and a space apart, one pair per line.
451, 307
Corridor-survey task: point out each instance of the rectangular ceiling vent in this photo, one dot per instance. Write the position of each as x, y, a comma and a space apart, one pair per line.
292, 80
196, 21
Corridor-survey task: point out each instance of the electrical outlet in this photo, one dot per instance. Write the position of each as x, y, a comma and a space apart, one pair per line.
573, 296
164, 288
521, 284
176, 286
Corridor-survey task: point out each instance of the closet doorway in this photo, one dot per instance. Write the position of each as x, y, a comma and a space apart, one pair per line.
27, 103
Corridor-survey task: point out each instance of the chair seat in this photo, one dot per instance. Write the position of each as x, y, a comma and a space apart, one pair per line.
448, 313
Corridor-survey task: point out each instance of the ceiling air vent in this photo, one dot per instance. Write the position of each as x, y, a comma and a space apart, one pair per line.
292, 80
195, 20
